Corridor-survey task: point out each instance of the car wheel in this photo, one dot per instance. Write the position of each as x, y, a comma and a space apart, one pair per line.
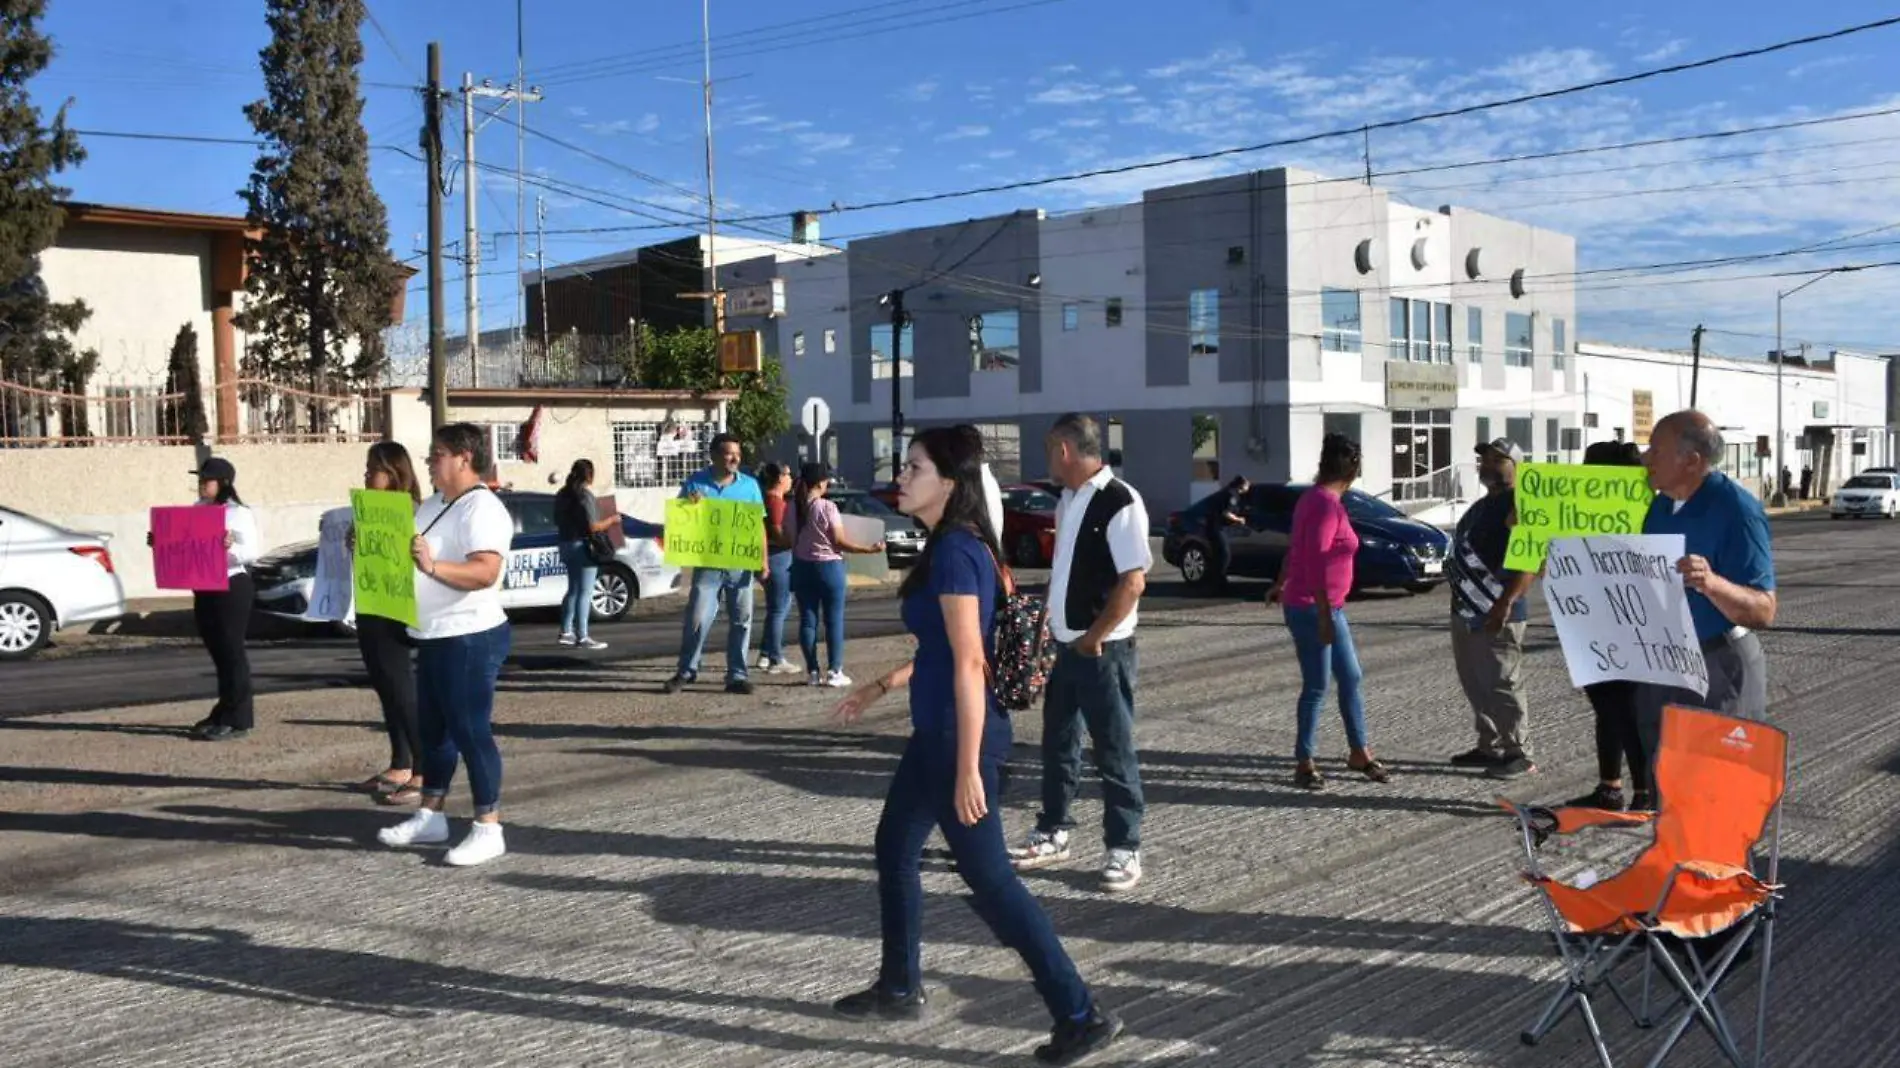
1422, 587
26, 625
1028, 551
1194, 566
614, 593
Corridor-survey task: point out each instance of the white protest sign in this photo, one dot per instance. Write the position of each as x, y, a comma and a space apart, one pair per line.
333, 593
1621, 611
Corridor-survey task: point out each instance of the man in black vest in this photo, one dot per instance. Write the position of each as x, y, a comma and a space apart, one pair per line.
1101, 566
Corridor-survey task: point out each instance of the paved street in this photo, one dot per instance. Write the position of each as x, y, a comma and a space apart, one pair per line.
690, 880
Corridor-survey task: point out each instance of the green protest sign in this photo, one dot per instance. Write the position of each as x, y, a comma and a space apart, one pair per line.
1574, 500
384, 570
715, 535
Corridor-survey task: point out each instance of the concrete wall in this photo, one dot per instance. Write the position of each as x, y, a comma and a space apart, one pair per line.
142, 284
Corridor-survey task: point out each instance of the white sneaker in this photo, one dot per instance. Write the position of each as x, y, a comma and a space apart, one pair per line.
426, 827
565, 639
838, 680
764, 664
1122, 871
1039, 850
483, 844
783, 667
591, 643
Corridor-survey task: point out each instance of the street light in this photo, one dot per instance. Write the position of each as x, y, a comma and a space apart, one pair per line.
1780, 497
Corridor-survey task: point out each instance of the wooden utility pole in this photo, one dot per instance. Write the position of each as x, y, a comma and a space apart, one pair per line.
432, 149
1695, 363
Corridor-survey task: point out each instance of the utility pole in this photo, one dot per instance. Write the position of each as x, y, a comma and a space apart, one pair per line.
521, 168
712, 237
541, 265
1695, 362
471, 240
895, 298
432, 150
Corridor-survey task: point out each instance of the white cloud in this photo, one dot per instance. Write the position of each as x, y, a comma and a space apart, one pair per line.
1824, 64
1070, 93
1669, 49
608, 129
921, 92
817, 143
648, 123
966, 133
577, 111
1000, 153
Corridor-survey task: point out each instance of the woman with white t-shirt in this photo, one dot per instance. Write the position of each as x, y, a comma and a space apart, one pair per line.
223, 616
463, 535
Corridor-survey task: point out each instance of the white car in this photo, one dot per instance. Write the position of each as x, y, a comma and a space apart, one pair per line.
50, 578
1868, 493
532, 577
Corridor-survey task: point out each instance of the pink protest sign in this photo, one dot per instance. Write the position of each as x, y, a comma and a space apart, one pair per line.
188, 549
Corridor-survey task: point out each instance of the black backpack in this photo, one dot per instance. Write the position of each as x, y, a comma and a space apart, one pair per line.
1025, 653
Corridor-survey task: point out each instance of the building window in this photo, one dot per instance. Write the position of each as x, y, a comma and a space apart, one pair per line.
798, 343
881, 350
1071, 318
1422, 464
1474, 334
1559, 343
1339, 320
1346, 424
995, 341
1421, 331
881, 456
1399, 323
1441, 333
1520, 434
1115, 442
131, 411
831, 342
659, 455
1553, 439
504, 441
1204, 322
1112, 312
1519, 345
1204, 449
1482, 430
1002, 447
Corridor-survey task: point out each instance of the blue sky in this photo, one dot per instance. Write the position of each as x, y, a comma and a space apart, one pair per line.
913, 96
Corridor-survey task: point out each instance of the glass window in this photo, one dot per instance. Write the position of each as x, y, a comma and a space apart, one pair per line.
1346, 423
1205, 449
1400, 328
1339, 320
1441, 333
995, 341
1421, 331
1474, 334
1071, 317
1483, 431
533, 515
831, 342
1519, 344
881, 350
132, 411
798, 343
1204, 322
1553, 439
1002, 447
1112, 312
881, 456
1559, 343
1519, 432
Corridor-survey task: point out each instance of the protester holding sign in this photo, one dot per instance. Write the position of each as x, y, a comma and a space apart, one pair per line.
1314, 580
462, 639
819, 543
223, 615
385, 645
722, 481
1727, 565
1489, 617
1613, 701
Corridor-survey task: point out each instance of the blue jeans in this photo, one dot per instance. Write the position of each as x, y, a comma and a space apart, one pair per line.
702, 607
778, 605
820, 588
577, 604
922, 798
1098, 692
455, 703
1319, 666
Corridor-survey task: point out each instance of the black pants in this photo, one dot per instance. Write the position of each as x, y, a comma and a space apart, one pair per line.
222, 619
1619, 738
385, 646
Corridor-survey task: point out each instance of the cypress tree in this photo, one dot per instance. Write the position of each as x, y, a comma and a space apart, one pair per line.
185, 417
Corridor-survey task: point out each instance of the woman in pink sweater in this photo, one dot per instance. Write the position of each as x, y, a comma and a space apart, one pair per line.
1314, 581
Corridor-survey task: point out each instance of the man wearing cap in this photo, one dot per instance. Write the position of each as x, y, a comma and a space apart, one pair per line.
1488, 617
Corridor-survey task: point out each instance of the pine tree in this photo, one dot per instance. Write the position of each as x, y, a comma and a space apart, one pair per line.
36, 347
185, 417
321, 280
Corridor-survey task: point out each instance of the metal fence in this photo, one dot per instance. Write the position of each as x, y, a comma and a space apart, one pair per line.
275, 413
133, 413
657, 455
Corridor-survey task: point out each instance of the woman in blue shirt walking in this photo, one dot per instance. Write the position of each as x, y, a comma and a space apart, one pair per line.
960, 738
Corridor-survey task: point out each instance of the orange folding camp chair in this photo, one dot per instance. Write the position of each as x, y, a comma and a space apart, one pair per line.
1720, 782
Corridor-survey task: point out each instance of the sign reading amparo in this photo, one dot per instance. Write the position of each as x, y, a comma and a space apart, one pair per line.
1574, 500
1621, 611
715, 535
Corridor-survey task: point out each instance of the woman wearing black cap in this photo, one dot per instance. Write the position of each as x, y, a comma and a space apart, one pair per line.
223, 615
818, 547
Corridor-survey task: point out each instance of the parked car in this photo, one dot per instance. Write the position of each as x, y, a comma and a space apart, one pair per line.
51, 578
1875, 494
903, 536
532, 576
1395, 550
1029, 524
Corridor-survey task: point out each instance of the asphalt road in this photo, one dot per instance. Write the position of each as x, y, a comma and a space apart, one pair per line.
109, 675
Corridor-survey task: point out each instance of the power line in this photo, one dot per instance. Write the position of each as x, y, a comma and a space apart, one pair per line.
394, 48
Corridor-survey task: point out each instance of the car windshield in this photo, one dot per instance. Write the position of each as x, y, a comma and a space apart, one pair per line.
1869, 482
1030, 500
1365, 506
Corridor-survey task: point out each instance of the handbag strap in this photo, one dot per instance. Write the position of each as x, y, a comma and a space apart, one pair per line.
450, 507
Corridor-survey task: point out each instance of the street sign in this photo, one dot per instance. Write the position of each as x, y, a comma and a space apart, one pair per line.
767, 298
815, 416
739, 352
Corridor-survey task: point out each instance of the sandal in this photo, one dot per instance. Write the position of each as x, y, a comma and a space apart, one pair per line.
406, 794
377, 784
1309, 779
1373, 770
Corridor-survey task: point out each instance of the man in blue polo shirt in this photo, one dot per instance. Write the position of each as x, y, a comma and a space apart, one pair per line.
722, 481
1727, 566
